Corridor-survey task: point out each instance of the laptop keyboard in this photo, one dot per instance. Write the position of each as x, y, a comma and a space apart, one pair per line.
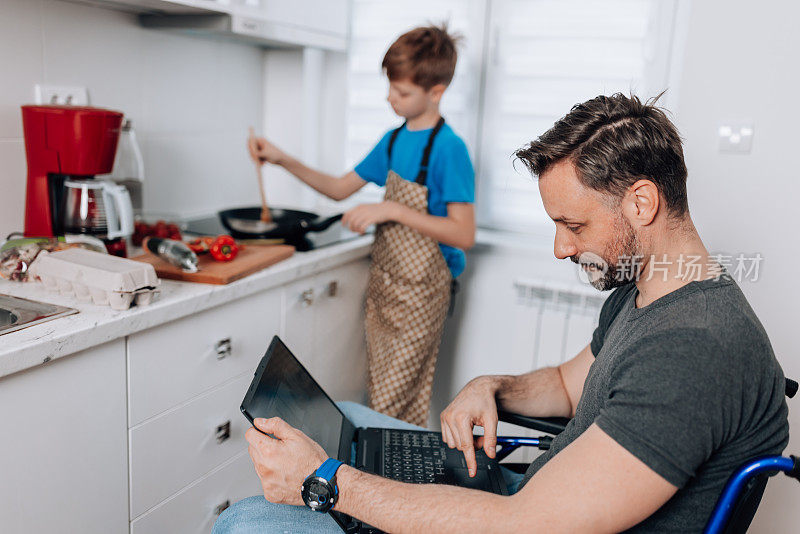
418, 457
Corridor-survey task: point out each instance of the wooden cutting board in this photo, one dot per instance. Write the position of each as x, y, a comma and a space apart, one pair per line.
249, 260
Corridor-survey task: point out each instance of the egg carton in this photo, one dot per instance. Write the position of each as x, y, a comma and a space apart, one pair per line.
96, 277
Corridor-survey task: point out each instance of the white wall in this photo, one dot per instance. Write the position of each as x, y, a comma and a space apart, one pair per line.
741, 63
191, 100
289, 93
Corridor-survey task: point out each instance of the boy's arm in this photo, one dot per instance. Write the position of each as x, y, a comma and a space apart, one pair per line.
331, 186
457, 229
336, 188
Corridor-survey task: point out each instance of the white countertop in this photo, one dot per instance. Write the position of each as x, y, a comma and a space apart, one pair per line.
95, 324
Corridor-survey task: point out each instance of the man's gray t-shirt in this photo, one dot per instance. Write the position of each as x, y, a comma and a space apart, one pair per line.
690, 386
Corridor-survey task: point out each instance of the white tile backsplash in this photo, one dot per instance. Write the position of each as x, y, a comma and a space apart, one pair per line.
21, 65
94, 48
191, 100
12, 185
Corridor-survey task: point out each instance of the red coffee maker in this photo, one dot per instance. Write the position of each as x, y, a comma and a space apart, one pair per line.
63, 142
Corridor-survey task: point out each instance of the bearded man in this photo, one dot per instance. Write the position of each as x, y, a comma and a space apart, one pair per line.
677, 387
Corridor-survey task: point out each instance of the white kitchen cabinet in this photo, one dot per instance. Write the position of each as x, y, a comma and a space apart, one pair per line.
324, 16
186, 380
324, 328
297, 330
175, 362
274, 23
63, 466
195, 509
340, 352
174, 449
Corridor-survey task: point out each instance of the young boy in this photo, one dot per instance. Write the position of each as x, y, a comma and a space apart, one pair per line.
423, 226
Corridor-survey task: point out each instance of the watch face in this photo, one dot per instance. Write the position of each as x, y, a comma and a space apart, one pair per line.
318, 494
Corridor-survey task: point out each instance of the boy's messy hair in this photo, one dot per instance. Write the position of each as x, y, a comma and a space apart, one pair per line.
426, 56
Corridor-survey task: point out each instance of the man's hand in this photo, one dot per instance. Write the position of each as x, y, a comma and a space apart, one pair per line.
361, 217
474, 405
283, 462
262, 151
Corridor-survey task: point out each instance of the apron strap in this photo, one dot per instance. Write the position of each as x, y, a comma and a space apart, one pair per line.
422, 177
392, 139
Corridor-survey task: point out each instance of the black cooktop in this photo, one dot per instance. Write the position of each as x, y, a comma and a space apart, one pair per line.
313, 240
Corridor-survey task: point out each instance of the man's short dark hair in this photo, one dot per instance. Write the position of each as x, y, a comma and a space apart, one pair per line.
613, 141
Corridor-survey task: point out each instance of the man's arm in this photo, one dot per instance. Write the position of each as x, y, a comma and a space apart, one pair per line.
548, 392
457, 229
612, 492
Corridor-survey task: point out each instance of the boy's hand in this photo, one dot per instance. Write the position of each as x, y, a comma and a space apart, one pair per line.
283, 462
262, 151
362, 217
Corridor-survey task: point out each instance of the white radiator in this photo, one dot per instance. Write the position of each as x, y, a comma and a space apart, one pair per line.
554, 321
564, 316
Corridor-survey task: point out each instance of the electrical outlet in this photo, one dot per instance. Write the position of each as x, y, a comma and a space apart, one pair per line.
735, 138
64, 95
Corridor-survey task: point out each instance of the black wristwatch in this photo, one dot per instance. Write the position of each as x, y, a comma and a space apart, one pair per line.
319, 490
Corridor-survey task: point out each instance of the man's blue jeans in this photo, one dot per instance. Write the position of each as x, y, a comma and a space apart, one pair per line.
257, 515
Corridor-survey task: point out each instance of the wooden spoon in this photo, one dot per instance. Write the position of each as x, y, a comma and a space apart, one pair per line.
266, 216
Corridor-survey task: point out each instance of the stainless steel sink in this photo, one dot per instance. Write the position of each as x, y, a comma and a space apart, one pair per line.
17, 313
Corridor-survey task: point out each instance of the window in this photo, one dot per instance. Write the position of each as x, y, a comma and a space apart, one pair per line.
375, 25
524, 63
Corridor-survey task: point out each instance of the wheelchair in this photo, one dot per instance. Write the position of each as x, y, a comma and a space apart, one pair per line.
739, 500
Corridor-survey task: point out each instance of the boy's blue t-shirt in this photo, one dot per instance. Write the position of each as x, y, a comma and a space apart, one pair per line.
450, 174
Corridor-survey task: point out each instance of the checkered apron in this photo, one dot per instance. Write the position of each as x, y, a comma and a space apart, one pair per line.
408, 295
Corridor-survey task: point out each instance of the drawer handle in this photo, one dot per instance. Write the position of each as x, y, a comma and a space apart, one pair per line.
333, 288
223, 348
218, 509
307, 297
223, 432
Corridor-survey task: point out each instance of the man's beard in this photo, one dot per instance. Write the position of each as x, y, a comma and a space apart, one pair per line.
620, 262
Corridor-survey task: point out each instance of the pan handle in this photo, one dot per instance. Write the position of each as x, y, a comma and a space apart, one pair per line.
318, 225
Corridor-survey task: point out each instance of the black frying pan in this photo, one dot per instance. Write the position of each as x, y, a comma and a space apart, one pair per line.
290, 225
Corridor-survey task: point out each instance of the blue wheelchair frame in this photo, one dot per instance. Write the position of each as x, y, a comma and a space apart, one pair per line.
728, 499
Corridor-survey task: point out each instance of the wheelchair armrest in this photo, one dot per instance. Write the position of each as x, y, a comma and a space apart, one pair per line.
551, 425
791, 388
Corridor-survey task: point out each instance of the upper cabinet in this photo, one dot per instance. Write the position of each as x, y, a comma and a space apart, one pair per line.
275, 23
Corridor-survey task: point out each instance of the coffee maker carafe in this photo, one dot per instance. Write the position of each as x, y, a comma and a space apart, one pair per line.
67, 143
96, 207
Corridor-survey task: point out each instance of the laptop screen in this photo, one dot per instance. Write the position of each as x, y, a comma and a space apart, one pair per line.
286, 390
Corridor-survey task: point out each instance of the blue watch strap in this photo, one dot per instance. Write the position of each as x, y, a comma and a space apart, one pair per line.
328, 468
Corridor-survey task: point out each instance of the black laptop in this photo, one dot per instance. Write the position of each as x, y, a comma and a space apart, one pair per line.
283, 388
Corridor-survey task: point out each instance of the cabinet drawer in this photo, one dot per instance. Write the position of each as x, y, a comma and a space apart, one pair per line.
194, 510
173, 363
177, 447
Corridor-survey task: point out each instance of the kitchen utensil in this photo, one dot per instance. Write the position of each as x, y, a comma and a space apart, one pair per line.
290, 225
249, 260
265, 214
175, 252
92, 276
